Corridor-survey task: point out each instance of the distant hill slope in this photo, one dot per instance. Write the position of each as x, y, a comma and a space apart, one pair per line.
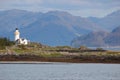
93, 39
58, 28
54, 27
108, 22
99, 39
51, 28
113, 39
11, 19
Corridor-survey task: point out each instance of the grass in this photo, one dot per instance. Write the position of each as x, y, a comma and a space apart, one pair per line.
2, 51
31, 52
47, 51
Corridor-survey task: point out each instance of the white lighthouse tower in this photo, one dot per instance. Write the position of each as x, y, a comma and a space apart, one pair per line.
17, 34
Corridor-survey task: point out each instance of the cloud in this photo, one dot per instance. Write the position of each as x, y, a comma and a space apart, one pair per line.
88, 7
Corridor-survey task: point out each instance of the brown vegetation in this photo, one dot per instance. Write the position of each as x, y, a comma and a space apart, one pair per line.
38, 52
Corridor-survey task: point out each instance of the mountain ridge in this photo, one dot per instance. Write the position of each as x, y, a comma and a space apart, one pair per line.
52, 28
99, 39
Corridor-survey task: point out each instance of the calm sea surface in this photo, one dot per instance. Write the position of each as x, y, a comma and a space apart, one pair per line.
60, 71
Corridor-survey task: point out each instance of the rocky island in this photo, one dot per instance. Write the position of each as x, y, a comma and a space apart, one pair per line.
42, 53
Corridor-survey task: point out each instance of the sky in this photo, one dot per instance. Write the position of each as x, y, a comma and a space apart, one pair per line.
84, 8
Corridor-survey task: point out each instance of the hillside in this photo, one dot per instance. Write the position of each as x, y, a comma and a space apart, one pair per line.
54, 27
109, 22
11, 19
58, 28
93, 39
51, 28
113, 39
99, 39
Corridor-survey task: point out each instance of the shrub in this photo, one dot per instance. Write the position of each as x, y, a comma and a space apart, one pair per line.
22, 47
5, 42
99, 49
83, 48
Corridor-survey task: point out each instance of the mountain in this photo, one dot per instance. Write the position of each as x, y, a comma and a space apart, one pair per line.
113, 39
54, 27
11, 19
99, 39
92, 39
94, 19
51, 28
58, 28
108, 22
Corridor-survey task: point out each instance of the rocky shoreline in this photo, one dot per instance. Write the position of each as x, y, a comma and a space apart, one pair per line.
70, 59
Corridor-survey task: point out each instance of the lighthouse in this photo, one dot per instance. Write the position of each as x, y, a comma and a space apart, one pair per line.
17, 34
18, 40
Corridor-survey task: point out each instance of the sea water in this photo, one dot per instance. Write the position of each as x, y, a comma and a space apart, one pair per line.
60, 71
